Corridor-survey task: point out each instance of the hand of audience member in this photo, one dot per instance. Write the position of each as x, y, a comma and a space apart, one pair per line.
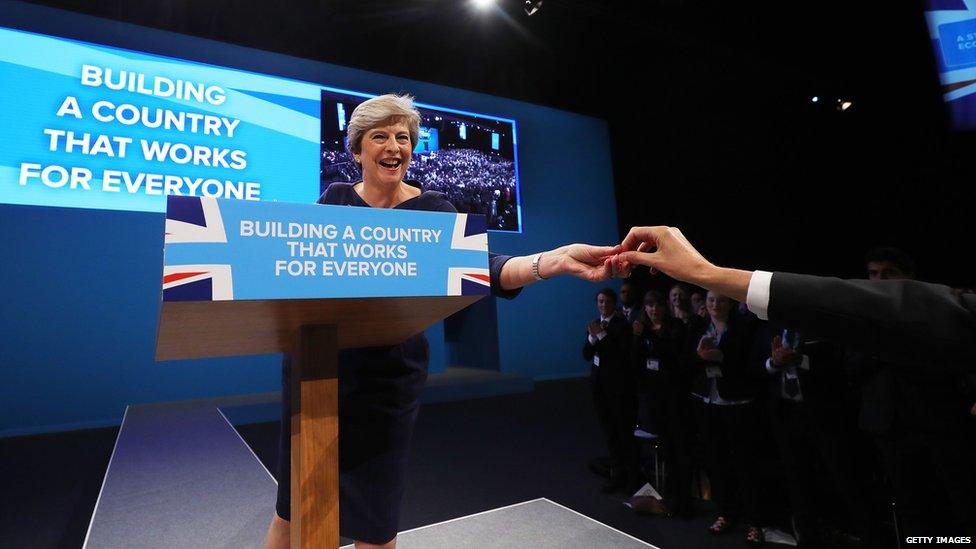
972, 411
707, 350
711, 355
638, 327
594, 327
665, 249
783, 355
672, 253
706, 342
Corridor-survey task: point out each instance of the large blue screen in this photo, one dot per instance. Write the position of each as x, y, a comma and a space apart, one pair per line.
92, 126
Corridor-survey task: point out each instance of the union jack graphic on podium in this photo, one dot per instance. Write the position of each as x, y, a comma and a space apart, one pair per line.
470, 233
221, 250
191, 219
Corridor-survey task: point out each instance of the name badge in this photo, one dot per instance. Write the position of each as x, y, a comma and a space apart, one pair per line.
713, 371
653, 364
596, 360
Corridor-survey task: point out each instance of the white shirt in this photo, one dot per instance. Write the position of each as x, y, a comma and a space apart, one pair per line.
757, 297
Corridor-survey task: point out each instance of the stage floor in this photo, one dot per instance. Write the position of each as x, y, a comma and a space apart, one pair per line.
538, 523
467, 458
180, 475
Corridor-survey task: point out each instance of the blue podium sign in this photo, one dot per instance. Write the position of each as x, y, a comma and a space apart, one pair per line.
223, 250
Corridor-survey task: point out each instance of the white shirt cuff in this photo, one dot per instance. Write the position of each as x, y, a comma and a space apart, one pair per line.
601, 335
770, 368
757, 297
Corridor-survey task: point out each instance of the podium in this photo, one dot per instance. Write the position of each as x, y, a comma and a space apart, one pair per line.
245, 278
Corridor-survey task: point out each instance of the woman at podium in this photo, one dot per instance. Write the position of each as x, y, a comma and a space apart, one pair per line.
379, 387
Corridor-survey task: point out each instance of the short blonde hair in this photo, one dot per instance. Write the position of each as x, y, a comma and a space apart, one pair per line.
374, 112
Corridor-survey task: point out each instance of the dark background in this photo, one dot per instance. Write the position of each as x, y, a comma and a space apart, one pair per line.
708, 104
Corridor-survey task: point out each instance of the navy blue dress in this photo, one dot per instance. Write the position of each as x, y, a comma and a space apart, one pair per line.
379, 392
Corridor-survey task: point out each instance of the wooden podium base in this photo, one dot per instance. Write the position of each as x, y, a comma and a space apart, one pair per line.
315, 439
312, 331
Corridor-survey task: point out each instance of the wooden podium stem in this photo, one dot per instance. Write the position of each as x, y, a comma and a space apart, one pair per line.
315, 439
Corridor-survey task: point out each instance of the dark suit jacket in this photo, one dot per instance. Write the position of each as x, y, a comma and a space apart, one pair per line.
908, 322
635, 313
738, 381
666, 347
897, 399
615, 374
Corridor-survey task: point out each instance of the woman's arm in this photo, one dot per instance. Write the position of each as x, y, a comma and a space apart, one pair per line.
592, 263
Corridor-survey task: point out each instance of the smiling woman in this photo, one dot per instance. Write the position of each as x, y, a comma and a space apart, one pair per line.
379, 387
381, 135
387, 147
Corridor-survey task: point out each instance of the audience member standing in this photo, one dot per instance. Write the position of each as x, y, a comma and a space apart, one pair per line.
680, 303
805, 388
698, 304
630, 302
614, 385
665, 384
718, 353
918, 417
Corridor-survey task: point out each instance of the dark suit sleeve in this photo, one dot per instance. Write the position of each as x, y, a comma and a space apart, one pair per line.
621, 332
444, 206
638, 349
328, 197
495, 264
689, 356
736, 345
614, 348
667, 347
904, 321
